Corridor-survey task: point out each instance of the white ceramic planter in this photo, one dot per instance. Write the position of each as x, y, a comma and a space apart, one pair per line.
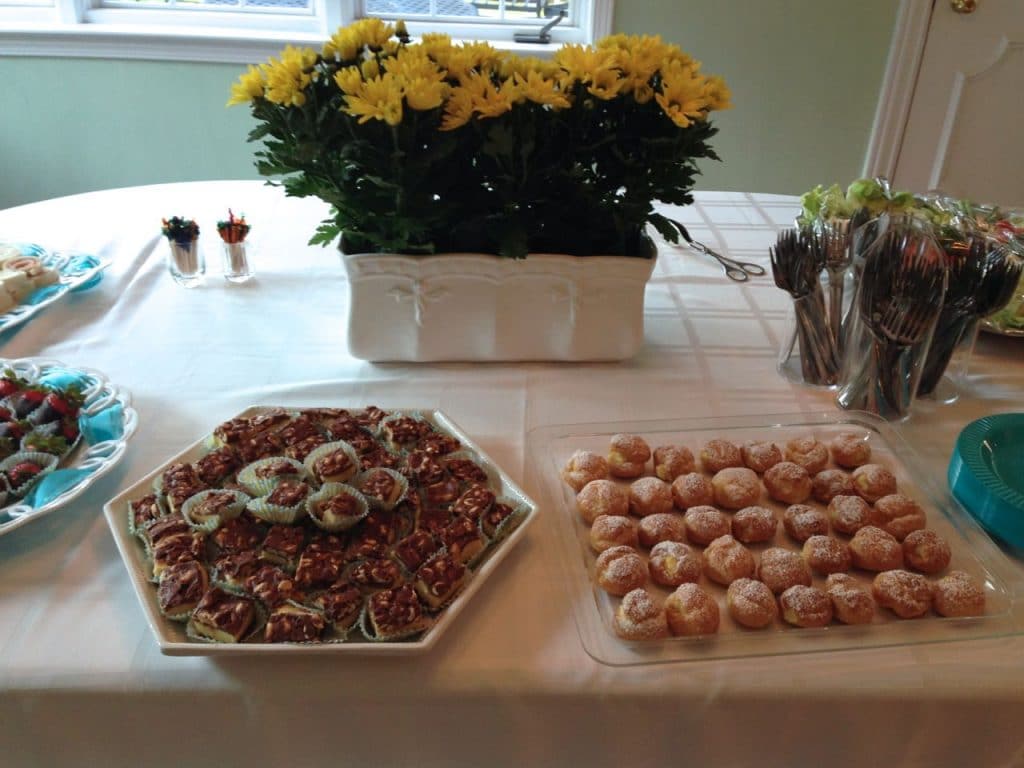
482, 307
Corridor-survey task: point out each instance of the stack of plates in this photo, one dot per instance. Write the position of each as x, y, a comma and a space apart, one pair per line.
986, 474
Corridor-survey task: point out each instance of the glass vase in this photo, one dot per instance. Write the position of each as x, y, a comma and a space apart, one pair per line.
185, 262
235, 262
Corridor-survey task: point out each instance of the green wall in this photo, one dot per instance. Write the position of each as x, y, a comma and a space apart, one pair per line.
805, 77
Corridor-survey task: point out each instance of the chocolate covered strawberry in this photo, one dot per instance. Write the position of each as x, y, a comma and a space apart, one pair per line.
27, 400
11, 384
55, 444
69, 429
57, 406
22, 472
14, 429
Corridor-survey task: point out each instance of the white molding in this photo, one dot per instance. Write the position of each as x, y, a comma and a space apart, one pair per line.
905, 54
86, 41
72, 28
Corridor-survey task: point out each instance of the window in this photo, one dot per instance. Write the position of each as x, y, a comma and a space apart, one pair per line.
241, 31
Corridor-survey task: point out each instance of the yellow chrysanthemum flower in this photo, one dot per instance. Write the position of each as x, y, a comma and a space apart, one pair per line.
376, 99
580, 62
422, 94
532, 86
349, 79
682, 95
488, 99
717, 93
343, 45
371, 32
287, 77
605, 83
370, 68
436, 46
248, 88
639, 60
458, 109
414, 64
642, 92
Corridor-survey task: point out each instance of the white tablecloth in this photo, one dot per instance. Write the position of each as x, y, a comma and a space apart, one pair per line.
82, 680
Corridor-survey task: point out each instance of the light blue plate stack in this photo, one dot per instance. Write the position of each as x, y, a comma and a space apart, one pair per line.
986, 474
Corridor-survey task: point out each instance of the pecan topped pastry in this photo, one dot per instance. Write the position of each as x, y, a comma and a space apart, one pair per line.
239, 534
371, 416
217, 465
267, 420
235, 568
415, 549
373, 574
223, 617
145, 510
282, 544
439, 444
395, 613
272, 586
179, 482
302, 448
475, 502
423, 468
181, 548
433, 519
252, 448
341, 604
327, 542
462, 538
212, 505
378, 457
346, 428
297, 429
320, 415
405, 431
438, 579
361, 440
382, 486
334, 466
494, 517
181, 587
277, 468
288, 493
319, 568
443, 492
164, 527
466, 470
290, 623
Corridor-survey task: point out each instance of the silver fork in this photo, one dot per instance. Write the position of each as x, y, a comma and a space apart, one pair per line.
836, 237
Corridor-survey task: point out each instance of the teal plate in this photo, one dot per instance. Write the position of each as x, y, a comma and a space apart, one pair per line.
986, 474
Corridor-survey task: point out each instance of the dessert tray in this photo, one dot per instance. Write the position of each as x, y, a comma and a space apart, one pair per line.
105, 422
74, 271
972, 551
316, 530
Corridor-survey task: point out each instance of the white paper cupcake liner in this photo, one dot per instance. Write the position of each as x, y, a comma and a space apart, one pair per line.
213, 522
315, 502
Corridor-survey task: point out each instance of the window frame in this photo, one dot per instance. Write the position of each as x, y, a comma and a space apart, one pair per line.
75, 28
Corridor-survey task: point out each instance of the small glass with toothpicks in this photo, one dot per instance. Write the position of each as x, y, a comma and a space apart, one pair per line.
234, 248
184, 258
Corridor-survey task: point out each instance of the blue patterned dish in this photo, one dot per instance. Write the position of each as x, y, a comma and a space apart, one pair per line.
986, 474
78, 271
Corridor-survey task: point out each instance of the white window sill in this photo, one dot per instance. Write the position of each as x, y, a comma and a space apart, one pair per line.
163, 43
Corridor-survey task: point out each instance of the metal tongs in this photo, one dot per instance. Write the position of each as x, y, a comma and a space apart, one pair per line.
739, 271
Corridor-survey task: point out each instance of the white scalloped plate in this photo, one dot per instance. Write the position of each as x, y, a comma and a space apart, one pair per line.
100, 458
170, 635
71, 278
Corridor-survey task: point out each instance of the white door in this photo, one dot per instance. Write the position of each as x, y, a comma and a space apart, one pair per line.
964, 132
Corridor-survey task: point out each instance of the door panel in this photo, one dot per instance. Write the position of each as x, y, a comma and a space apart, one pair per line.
963, 133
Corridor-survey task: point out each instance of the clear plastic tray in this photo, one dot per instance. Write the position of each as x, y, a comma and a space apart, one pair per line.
973, 551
